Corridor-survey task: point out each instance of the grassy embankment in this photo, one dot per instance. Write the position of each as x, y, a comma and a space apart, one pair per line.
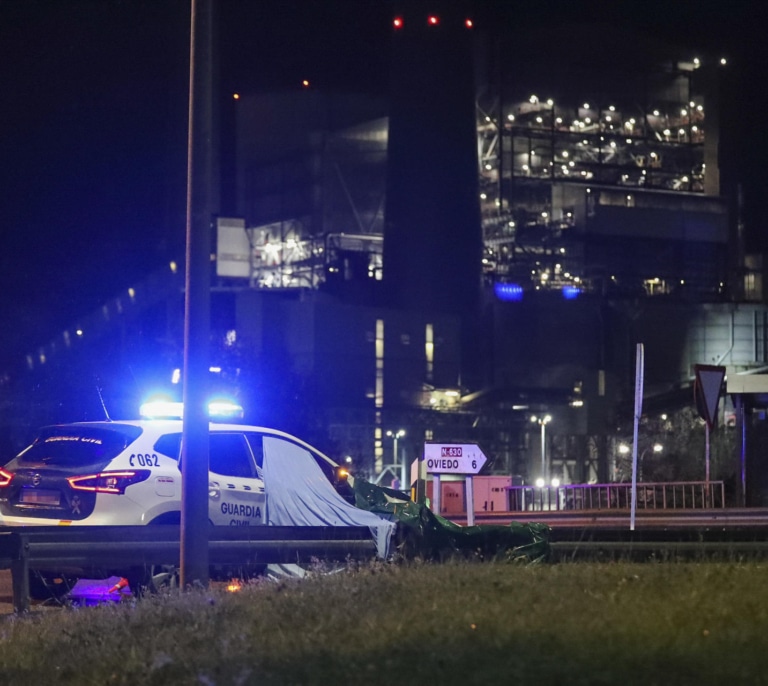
579, 623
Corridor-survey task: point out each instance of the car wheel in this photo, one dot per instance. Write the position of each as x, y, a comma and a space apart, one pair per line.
163, 578
152, 579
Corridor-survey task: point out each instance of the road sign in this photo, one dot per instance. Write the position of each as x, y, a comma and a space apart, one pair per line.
707, 389
453, 458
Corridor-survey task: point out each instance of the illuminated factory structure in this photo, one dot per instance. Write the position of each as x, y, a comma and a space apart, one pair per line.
598, 222
488, 245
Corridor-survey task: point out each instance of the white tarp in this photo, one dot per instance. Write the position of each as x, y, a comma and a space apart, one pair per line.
299, 494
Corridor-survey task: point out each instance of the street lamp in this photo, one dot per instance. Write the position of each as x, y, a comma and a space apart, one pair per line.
542, 422
395, 435
624, 449
656, 448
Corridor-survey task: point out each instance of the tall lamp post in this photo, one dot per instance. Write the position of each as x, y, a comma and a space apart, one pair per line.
395, 435
542, 422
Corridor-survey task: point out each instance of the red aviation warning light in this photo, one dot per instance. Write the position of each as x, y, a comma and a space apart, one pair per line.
432, 20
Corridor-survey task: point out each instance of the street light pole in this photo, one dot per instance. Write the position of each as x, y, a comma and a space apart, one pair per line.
395, 435
543, 421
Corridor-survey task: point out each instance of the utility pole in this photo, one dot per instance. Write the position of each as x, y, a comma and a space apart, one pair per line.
195, 430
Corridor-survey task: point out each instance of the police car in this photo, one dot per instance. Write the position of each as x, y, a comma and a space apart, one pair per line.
129, 473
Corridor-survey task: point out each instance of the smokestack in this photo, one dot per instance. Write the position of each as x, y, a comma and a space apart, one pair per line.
433, 235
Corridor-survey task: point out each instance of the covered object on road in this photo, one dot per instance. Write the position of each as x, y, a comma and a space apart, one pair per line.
299, 494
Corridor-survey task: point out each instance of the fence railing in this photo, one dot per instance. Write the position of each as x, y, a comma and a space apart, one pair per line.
677, 495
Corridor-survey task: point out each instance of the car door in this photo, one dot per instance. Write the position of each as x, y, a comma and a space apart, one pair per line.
236, 495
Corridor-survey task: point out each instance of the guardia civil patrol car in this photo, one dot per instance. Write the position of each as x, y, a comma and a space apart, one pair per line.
129, 473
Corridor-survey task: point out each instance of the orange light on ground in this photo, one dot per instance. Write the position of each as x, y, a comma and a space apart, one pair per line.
305, 83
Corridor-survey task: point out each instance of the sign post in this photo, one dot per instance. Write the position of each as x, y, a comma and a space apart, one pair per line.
639, 375
418, 479
436, 493
707, 388
454, 458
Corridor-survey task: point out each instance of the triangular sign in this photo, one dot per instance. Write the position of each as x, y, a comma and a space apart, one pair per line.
709, 382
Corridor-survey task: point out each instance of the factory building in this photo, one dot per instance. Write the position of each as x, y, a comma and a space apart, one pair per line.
598, 221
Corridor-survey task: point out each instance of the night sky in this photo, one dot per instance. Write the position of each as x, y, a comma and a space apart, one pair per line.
93, 117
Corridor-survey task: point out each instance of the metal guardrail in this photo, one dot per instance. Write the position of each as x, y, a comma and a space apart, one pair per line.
673, 495
674, 541
23, 549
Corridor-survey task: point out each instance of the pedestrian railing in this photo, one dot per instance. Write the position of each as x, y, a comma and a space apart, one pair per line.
672, 495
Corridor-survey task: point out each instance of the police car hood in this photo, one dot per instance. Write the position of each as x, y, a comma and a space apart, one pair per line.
299, 494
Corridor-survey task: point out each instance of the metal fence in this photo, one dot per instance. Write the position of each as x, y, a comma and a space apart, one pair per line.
123, 548
679, 495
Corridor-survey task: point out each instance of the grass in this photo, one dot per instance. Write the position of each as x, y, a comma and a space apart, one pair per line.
574, 623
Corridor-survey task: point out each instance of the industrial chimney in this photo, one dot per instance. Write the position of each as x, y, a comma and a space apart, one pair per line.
433, 236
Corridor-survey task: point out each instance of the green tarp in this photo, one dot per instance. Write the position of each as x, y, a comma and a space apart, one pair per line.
422, 533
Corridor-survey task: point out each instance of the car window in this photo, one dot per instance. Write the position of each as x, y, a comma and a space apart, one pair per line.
169, 445
231, 456
257, 448
73, 446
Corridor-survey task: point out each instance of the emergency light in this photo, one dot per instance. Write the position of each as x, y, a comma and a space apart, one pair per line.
162, 408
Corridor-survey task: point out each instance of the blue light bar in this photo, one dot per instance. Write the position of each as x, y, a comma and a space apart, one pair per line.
224, 409
508, 292
162, 408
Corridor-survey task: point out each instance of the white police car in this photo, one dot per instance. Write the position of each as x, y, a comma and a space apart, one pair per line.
128, 473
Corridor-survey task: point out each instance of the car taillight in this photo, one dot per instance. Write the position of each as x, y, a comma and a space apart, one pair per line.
5, 478
108, 482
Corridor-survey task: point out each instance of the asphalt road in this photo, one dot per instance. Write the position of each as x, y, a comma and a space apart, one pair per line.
6, 597
6, 592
